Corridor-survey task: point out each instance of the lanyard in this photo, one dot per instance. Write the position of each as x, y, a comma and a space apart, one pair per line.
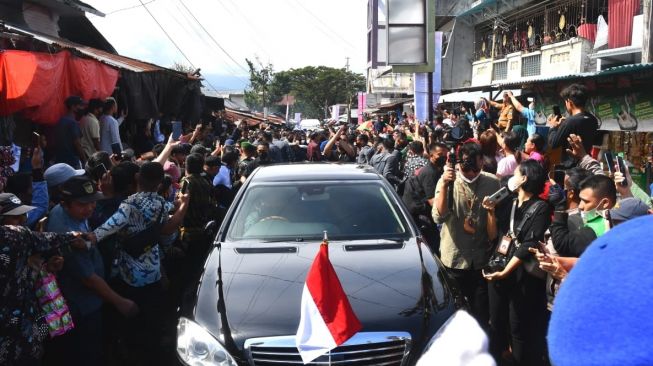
512, 219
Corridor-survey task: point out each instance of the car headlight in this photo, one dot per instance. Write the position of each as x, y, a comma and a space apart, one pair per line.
195, 346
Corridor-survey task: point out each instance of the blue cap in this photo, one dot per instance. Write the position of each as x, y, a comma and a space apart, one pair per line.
602, 314
228, 142
59, 173
628, 209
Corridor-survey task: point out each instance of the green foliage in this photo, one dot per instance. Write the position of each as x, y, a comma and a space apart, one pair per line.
314, 88
257, 95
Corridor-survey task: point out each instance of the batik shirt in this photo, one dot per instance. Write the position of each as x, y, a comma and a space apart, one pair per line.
135, 214
20, 339
413, 163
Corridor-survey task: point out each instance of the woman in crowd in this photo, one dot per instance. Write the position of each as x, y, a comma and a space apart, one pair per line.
510, 145
517, 292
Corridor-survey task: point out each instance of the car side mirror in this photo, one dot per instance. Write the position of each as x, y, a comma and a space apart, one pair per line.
210, 227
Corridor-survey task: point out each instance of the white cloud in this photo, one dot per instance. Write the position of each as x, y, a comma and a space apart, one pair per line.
286, 33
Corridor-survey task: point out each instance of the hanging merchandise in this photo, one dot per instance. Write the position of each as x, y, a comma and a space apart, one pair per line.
601, 33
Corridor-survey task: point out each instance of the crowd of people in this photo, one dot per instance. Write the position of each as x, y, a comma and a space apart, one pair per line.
100, 239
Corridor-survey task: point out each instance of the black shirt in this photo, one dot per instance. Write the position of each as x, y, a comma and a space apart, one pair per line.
583, 124
428, 178
533, 230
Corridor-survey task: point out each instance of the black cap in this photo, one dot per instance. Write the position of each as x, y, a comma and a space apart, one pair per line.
81, 189
74, 100
10, 205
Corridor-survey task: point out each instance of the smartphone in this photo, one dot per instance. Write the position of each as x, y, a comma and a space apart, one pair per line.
176, 130
542, 248
116, 148
609, 161
36, 140
556, 111
622, 168
559, 177
499, 195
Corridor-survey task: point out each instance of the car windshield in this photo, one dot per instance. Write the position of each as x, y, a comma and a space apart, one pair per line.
300, 211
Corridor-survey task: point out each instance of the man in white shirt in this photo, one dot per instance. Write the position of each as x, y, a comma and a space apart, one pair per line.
109, 126
90, 127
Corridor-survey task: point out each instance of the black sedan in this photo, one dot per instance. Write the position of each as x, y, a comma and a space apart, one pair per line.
246, 309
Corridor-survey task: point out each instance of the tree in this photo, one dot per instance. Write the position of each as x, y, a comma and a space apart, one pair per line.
317, 88
257, 95
182, 67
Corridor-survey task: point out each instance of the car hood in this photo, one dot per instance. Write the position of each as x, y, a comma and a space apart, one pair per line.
251, 291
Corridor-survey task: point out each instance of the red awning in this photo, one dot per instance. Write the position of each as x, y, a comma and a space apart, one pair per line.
38, 83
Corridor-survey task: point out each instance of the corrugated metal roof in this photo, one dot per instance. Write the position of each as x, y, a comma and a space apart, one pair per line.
114, 60
610, 71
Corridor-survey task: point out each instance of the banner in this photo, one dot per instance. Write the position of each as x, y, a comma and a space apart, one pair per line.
630, 111
422, 87
362, 105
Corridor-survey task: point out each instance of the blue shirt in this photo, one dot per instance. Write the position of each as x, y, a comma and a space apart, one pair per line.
529, 114
40, 200
223, 177
109, 133
78, 264
67, 131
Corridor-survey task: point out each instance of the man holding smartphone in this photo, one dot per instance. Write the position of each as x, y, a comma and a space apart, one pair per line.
581, 122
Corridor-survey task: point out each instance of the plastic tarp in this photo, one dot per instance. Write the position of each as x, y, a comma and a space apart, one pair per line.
148, 94
37, 84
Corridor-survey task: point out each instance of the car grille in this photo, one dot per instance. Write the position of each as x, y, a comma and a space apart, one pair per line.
363, 349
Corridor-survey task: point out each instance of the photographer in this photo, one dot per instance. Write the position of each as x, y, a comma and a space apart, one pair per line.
468, 224
517, 296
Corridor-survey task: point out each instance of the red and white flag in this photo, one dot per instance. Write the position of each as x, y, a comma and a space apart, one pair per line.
327, 319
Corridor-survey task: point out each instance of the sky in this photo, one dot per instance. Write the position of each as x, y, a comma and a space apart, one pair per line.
286, 33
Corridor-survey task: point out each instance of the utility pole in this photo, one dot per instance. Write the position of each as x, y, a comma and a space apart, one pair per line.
647, 46
349, 97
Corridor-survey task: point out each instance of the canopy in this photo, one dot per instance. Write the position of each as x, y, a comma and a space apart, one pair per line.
38, 83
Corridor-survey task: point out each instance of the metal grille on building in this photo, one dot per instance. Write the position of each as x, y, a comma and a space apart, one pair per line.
500, 70
531, 65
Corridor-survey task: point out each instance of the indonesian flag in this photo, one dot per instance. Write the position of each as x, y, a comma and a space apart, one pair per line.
327, 319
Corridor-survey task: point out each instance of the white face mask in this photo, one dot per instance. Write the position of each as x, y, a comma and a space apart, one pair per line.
513, 184
467, 180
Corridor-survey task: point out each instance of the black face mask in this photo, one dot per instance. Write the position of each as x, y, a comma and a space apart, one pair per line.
263, 156
441, 161
469, 165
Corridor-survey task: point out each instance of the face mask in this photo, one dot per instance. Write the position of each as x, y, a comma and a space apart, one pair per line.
470, 166
589, 215
513, 184
441, 161
263, 155
467, 180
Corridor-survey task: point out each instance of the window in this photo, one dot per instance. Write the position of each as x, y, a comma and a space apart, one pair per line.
302, 211
500, 71
530, 66
406, 32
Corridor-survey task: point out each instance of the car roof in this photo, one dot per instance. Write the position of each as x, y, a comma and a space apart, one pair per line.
314, 172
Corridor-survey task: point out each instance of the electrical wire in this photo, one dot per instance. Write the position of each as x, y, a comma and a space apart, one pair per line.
326, 26
173, 42
130, 7
213, 39
233, 72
